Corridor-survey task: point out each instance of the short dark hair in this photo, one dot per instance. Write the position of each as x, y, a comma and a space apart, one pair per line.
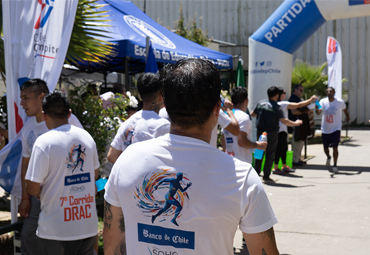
297, 86
281, 91
56, 105
238, 95
148, 86
38, 86
272, 91
331, 88
191, 90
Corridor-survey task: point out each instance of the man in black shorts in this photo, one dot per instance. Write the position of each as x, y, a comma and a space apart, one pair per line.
331, 124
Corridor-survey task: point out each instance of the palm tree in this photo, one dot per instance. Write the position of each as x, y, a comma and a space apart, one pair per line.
83, 45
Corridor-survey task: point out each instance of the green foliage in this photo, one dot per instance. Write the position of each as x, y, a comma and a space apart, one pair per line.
190, 31
88, 23
102, 124
312, 78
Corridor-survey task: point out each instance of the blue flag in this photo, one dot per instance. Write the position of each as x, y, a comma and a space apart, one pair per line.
151, 64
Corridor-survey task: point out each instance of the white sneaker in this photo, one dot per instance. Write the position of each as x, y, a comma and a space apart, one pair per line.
335, 169
328, 161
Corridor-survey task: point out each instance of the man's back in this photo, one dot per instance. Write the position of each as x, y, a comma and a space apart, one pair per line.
232, 146
210, 198
150, 126
63, 161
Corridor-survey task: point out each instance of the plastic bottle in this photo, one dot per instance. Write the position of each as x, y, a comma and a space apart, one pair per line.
318, 104
258, 154
100, 184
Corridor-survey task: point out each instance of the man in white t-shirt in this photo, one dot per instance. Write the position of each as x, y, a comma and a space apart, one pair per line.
240, 146
177, 194
32, 94
331, 124
226, 120
149, 89
62, 171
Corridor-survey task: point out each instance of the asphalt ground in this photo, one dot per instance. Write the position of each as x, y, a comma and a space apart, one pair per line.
320, 212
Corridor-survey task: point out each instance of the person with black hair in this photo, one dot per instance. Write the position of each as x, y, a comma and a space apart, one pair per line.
150, 90
64, 180
331, 125
268, 114
177, 194
282, 146
32, 94
239, 146
300, 133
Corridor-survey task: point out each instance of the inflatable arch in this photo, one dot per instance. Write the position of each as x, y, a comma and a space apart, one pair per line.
272, 45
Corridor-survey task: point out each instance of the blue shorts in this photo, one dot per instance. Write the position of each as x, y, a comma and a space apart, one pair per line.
331, 140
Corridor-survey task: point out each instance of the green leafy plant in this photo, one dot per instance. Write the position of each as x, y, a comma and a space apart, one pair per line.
102, 124
312, 78
190, 31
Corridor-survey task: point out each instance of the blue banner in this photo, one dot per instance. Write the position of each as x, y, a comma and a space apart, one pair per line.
290, 25
166, 236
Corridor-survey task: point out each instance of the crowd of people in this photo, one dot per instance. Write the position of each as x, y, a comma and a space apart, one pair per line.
170, 190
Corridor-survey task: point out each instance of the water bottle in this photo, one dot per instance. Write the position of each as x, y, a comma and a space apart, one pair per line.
318, 104
100, 184
222, 100
258, 154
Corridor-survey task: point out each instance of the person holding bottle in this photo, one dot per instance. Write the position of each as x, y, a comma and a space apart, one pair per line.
282, 146
268, 114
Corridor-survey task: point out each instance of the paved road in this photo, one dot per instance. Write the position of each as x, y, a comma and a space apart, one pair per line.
322, 213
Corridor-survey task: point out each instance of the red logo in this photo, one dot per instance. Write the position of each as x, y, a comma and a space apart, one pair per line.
332, 47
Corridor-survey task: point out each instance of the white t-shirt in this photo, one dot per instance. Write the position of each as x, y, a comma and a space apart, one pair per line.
331, 119
125, 132
74, 121
232, 146
224, 193
223, 120
150, 128
63, 161
284, 107
33, 129
163, 113
30, 131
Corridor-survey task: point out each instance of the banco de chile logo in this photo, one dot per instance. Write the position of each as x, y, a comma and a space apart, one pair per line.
144, 29
46, 9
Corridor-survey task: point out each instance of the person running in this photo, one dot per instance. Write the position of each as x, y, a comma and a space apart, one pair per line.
331, 125
282, 146
174, 186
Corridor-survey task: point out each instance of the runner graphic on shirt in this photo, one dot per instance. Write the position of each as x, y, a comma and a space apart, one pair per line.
170, 196
162, 194
76, 156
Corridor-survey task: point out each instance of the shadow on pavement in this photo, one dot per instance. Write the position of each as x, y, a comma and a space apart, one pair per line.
358, 169
285, 185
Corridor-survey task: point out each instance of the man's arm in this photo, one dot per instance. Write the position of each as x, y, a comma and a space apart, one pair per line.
244, 142
261, 243
347, 115
114, 230
33, 188
25, 204
290, 123
253, 114
301, 104
113, 154
233, 127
